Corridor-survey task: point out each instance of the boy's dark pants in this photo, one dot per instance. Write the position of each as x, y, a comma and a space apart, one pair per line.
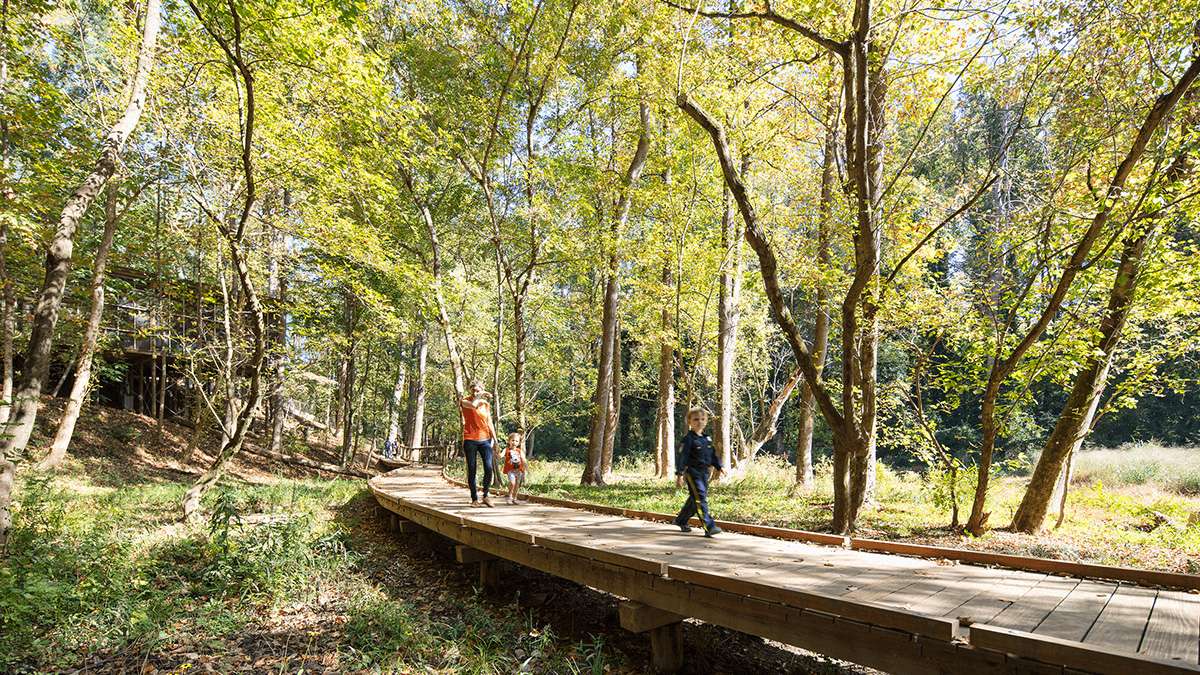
484, 448
697, 484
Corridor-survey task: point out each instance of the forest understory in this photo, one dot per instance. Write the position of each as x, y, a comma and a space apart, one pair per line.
292, 572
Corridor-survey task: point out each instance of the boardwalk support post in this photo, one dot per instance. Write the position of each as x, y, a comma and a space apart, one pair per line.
666, 633
489, 571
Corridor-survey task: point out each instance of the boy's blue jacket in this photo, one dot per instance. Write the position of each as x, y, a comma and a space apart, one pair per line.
696, 452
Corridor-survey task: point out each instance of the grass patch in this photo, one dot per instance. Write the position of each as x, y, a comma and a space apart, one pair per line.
1168, 469
109, 578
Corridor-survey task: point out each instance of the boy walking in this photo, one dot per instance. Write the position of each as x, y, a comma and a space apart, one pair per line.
696, 455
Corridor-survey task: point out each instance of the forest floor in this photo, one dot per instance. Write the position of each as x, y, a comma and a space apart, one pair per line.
290, 572
1136, 507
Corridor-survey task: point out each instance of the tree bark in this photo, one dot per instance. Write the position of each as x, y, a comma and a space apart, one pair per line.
27, 400
277, 289
415, 424
602, 399
664, 452
7, 311
728, 314
613, 420
1003, 367
397, 400
7, 304
87, 349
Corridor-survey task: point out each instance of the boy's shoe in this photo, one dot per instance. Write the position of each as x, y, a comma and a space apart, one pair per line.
475, 505
710, 533
683, 527
488, 502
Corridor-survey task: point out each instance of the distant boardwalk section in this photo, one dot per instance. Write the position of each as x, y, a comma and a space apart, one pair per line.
897, 613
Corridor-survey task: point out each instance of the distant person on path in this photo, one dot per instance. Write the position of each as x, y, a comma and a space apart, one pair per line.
478, 438
696, 456
514, 465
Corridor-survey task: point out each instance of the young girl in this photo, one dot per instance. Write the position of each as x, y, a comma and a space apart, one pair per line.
514, 466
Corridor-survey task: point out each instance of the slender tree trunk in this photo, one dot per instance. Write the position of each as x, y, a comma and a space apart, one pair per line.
394, 406
415, 425
664, 452
58, 257
496, 405
592, 470
613, 420
7, 196
87, 349
521, 335
728, 313
1003, 367
235, 236
8, 472
804, 459
277, 289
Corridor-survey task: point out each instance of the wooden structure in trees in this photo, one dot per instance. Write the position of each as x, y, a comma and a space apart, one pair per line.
899, 613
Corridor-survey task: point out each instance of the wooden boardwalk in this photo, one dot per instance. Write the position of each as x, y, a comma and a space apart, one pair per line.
892, 612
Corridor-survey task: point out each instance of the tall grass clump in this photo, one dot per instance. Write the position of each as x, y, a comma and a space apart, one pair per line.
1174, 470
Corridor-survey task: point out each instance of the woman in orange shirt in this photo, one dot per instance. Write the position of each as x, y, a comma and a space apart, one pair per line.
478, 438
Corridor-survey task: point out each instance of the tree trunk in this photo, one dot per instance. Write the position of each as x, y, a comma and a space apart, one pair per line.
7, 306
58, 257
394, 406
804, 460
521, 335
592, 470
849, 438
613, 421
728, 314
664, 452
235, 236
277, 288
347, 403
7, 473
1002, 368
415, 424
87, 349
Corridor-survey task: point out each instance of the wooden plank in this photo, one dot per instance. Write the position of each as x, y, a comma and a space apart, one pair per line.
508, 532
1174, 628
1029, 610
603, 555
994, 599
1074, 616
1072, 654
1137, 576
1123, 621
860, 611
